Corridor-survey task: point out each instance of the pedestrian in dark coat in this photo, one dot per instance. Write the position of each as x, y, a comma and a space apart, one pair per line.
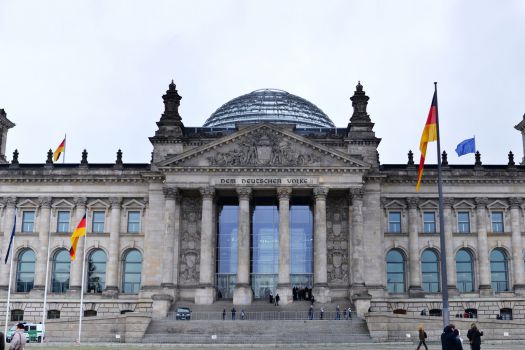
233, 313
277, 299
474, 336
447, 338
456, 341
311, 313
2, 341
223, 314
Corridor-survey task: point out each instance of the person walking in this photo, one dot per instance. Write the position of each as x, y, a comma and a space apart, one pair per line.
223, 314
337, 313
18, 341
422, 337
311, 313
457, 344
2, 341
233, 313
243, 315
321, 313
345, 315
447, 337
474, 336
277, 299
349, 313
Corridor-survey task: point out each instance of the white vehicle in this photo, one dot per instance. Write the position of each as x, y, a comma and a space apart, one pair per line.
34, 332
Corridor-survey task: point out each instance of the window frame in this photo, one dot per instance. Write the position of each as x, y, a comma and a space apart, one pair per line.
59, 223
438, 272
138, 223
434, 222
472, 272
505, 271
24, 222
63, 287
494, 224
391, 222
403, 273
125, 273
460, 223
95, 225
28, 286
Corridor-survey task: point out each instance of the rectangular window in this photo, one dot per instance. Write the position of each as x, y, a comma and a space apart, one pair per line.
497, 221
429, 222
394, 222
98, 221
63, 221
28, 221
133, 221
463, 222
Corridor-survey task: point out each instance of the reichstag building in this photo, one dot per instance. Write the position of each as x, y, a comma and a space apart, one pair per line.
267, 195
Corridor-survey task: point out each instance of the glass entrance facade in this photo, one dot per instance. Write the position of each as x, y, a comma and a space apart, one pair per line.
301, 244
227, 248
264, 248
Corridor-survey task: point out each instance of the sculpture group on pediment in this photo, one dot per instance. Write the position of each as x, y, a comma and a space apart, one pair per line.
264, 148
337, 240
190, 240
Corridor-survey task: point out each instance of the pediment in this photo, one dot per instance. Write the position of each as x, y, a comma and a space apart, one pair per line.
394, 204
264, 146
429, 204
62, 203
98, 203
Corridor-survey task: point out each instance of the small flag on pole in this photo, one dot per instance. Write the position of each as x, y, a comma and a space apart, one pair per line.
80, 231
60, 149
466, 146
10, 241
429, 135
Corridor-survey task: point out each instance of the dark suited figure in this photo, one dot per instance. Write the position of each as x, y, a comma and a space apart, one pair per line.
474, 335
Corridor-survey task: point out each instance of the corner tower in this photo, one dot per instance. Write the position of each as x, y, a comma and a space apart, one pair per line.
360, 137
5, 125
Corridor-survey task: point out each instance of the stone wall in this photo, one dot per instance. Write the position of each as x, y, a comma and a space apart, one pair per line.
337, 241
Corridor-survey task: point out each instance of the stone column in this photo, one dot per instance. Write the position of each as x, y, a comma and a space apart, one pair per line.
449, 246
205, 294
170, 196
43, 242
414, 266
358, 242
483, 253
112, 285
283, 287
9, 217
243, 293
321, 291
517, 255
75, 279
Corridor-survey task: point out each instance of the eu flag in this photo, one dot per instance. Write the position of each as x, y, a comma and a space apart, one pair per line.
465, 147
10, 241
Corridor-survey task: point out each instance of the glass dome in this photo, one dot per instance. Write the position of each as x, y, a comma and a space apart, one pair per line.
272, 106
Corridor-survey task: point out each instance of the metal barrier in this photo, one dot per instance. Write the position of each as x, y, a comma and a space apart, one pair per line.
262, 315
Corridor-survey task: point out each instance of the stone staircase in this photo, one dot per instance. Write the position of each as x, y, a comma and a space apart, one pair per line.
263, 324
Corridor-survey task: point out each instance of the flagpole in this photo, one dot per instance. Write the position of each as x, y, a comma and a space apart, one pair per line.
444, 284
9, 284
45, 286
65, 143
81, 312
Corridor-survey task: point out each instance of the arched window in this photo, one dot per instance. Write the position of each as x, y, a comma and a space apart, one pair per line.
96, 271
430, 271
395, 271
131, 272
60, 277
25, 272
499, 270
464, 271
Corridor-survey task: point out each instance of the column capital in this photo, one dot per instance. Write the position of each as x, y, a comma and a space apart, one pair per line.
448, 202
284, 193
45, 202
320, 192
207, 192
170, 192
413, 202
80, 202
244, 192
481, 202
10, 202
357, 193
115, 202
515, 202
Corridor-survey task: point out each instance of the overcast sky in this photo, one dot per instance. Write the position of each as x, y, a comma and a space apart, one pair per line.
96, 70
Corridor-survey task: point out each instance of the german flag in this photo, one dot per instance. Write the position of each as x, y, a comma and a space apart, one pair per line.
60, 149
80, 231
429, 135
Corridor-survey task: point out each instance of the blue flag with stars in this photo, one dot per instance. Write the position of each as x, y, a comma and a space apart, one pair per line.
467, 146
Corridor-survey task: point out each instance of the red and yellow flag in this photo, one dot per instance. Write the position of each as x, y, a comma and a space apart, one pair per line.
429, 135
80, 231
61, 148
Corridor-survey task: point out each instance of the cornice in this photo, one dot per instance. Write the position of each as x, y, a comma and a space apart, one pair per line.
316, 170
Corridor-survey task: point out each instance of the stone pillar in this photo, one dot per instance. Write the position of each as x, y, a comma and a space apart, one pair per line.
9, 217
449, 246
358, 242
517, 256
43, 242
283, 287
243, 293
75, 279
170, 196
483, 253
112, 285
205, 294
414, 265
321, 291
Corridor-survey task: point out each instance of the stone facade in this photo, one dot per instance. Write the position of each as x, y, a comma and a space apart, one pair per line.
156, 223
